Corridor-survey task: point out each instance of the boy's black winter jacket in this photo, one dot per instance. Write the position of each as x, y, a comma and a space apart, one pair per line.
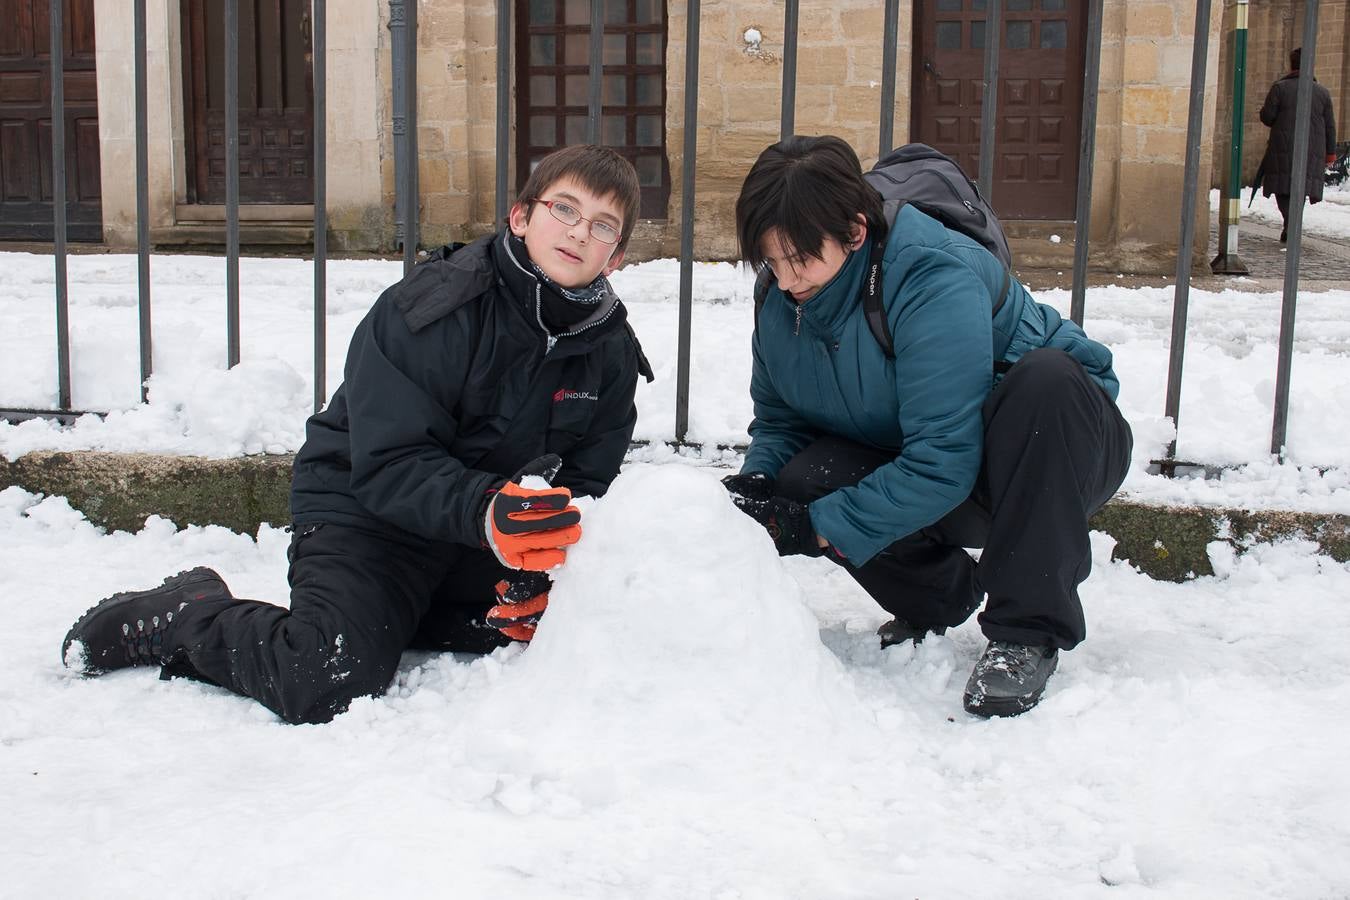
452, 383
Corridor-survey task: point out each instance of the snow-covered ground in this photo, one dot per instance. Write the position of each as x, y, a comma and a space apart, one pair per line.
696, 718
693, 720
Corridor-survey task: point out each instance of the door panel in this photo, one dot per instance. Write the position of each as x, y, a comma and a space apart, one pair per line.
1040, 87
276, 100
25, 123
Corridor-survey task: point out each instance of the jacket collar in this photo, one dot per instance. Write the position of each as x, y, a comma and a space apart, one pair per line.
834, 303
523, 282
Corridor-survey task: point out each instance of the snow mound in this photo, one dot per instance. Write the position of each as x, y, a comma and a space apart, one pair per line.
673, 622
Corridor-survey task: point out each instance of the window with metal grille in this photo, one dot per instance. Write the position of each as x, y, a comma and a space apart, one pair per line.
553, 48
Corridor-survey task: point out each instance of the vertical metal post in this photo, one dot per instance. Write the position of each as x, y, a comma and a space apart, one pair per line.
890, 31
687, 219
232, 179
993, 41
142, 198
1298, 195
597, 63
787, 120
411, 226
1227, 262
320, 51
1087, 152
398, 47
503, 109
1182, 296
57, 48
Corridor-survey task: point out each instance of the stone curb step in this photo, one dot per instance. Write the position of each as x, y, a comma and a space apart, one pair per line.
117, 491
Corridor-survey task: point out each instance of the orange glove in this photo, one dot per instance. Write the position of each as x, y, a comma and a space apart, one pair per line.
527, 528
523, 601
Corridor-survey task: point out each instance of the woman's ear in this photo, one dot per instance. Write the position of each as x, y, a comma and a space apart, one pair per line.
858, 236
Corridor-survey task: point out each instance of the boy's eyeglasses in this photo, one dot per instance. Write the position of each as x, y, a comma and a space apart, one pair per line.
569, 215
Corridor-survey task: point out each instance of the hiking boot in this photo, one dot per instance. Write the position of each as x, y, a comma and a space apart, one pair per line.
897, 631
129, 629
1009, 679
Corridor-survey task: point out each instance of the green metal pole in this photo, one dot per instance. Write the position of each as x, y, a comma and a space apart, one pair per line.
1230, 204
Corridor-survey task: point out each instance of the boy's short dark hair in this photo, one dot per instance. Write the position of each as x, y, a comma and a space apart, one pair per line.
809, 188
600, 170
1295, 57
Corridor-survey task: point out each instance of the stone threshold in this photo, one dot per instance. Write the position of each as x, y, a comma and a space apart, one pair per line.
117, 491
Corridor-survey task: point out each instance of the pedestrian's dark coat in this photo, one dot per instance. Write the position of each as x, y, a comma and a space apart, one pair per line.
452, 383
1278, 114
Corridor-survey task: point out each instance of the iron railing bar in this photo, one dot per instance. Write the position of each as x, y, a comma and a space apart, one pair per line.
593, 75
319, 43
503, 110
993, 40
1182, 294
412, 225
688, 166
57, 48
232, 180
142, 200
1297, 198
1087, 154
890, 32
787, 119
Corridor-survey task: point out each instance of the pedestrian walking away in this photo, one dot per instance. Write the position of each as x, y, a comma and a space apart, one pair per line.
1278, 113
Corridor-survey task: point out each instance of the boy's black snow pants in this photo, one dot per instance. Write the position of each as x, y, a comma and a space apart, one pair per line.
358, 600
1055, 449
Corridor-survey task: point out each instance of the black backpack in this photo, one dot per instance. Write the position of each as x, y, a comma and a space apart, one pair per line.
920, 176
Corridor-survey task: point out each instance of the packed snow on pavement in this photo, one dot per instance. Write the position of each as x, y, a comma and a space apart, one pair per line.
696, 717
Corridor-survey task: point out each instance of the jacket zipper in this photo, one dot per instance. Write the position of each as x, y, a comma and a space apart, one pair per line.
797, 328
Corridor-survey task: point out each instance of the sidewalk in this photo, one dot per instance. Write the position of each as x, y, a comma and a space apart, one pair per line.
1325, 265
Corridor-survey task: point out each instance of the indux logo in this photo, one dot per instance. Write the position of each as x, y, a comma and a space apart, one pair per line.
565, 394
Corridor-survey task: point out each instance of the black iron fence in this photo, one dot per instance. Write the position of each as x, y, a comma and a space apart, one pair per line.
403, 29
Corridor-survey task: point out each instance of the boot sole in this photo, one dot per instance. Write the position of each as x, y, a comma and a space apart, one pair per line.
1000, 707
183, 579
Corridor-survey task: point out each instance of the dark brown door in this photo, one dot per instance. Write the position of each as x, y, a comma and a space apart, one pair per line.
552, 61
276, 100
1039, 102
26, 122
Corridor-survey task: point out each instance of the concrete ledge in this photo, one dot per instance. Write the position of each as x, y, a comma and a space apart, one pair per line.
118, 491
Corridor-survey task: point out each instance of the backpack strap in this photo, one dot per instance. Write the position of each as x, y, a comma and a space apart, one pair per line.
873, 310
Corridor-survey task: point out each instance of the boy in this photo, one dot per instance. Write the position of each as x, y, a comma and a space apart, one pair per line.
508, 355
995, 426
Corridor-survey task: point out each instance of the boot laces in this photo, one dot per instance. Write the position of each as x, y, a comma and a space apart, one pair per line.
144, 646
1018, 660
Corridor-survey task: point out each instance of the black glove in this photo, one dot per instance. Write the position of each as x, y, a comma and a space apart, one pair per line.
787, 521
521, 600
749, 486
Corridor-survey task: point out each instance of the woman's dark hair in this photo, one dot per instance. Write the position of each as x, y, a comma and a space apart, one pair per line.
600, 170
809, 189
1295, 58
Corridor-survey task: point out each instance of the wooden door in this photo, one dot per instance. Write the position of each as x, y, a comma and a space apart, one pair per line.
1039, 101
552, 65
26, 122
276, 100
